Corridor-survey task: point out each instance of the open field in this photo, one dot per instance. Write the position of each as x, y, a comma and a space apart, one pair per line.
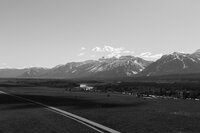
124, 113
34, 119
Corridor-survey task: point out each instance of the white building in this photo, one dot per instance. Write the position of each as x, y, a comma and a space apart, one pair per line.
86, 87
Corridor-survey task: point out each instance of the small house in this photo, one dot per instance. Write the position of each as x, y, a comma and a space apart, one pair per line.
85, 87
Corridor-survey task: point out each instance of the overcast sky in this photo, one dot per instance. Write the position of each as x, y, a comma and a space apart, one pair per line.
50, 32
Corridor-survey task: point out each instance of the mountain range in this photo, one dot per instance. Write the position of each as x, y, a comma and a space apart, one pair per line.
124, 66
175, 63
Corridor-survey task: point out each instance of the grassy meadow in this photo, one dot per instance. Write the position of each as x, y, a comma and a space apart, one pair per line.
124, 113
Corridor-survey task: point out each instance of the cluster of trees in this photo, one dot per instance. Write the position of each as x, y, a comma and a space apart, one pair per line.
179, 90
59, 83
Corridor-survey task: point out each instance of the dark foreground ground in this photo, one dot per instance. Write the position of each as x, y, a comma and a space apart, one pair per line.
127, 114
33, 119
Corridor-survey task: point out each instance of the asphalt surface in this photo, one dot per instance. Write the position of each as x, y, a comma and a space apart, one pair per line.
34, 120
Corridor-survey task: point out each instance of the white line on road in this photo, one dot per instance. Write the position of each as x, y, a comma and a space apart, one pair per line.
96, 126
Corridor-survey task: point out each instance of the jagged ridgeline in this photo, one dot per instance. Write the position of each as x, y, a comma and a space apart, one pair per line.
124, 66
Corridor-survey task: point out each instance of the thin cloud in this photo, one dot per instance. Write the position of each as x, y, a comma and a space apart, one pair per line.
112, 52
112, 49
128, 52
149, 55
97, 49
107, 48
114, 55
4, 65
81, 54
83, 48
93, 56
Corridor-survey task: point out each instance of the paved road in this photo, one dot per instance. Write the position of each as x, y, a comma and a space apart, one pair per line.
44, 119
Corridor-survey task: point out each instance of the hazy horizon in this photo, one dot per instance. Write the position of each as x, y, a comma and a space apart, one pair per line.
46, 33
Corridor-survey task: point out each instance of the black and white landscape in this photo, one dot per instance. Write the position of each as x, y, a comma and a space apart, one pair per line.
124, 66
99, 66
175, 63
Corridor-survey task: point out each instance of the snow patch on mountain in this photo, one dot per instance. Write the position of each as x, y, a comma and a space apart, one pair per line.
174, 63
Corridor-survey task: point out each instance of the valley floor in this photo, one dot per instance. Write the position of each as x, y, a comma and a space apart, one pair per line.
124, 113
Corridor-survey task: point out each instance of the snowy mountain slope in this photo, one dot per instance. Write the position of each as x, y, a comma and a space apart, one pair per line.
26, 72
124, 66
104, 67
175, 63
